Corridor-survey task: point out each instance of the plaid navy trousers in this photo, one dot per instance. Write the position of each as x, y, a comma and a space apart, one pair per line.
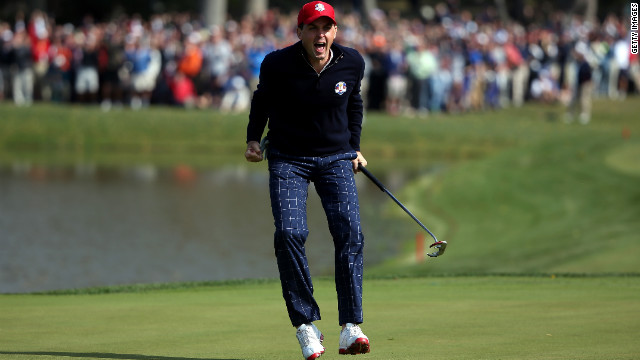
333, 177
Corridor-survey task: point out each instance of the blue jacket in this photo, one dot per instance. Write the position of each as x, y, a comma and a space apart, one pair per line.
309, 114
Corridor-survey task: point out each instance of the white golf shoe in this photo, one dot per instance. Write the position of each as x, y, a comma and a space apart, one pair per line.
353, 341
318, 333
310, 339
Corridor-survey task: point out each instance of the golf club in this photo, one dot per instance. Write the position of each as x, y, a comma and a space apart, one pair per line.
440, 245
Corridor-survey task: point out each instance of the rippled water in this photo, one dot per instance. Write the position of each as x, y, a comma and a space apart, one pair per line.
83, 227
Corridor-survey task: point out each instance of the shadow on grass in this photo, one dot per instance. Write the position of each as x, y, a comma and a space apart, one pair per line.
103, 355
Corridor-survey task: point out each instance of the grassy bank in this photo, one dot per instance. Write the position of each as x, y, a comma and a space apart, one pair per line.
50, 134
410, 318
564, 199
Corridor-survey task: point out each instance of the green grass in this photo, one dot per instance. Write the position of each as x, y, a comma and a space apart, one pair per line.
564, 200
515, 192
49, 134
411, 318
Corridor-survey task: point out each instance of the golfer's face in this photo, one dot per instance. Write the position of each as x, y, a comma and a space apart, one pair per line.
317, 38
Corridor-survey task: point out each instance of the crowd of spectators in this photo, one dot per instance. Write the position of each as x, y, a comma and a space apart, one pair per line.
451, 61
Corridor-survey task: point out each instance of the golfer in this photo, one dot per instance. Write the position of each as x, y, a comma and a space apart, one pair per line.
309, 95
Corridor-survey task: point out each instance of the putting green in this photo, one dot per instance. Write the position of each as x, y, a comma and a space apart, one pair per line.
475, 318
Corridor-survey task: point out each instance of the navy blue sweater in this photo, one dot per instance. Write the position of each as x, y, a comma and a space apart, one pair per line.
309, 114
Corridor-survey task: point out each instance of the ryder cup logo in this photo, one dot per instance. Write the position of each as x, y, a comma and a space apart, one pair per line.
319, 7
341, 88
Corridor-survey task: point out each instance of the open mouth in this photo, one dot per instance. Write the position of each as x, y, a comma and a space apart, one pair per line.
319, 47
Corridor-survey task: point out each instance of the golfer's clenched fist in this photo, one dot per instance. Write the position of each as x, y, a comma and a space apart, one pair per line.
253, 153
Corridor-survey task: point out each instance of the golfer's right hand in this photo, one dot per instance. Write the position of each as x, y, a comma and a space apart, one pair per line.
253, 153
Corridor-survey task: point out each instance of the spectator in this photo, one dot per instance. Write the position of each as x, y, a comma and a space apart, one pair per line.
191, 62
59, 74
634, 69
475, 74
454, 61
183, 90
6, 36
583, 91
621, 68
378, 74
22, 61
145, 61
441, 83
545, 88
218, 56
86, 58
112, 60
259, 48
237, 95
456, 100
516, 58
39, 32
498, 57
422, 64
397, 81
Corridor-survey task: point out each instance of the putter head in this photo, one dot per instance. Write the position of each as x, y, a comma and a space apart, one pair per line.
441, 246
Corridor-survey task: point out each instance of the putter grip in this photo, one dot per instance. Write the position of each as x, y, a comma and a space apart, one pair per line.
371, 177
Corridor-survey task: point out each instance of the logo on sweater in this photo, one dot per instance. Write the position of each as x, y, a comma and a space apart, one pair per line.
319, 7
341, 88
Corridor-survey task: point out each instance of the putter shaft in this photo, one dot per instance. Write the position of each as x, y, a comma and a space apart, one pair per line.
384, 189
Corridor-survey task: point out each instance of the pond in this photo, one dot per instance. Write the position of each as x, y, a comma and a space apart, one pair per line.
63, 228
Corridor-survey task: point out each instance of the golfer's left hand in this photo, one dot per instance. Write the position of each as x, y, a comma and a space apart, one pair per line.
359, 160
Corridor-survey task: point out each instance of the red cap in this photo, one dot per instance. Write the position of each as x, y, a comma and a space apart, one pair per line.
313, 10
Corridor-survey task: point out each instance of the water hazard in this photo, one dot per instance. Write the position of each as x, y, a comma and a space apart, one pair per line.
85, 226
